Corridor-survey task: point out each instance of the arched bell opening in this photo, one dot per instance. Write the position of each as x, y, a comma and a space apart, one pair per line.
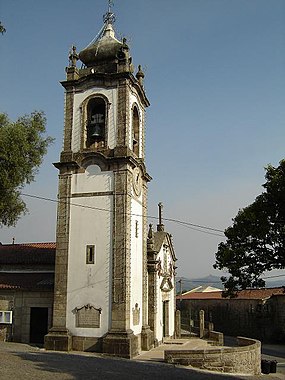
96, 122
136, 130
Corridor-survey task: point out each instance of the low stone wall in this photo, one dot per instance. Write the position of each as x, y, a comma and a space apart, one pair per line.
245, 359
81, 343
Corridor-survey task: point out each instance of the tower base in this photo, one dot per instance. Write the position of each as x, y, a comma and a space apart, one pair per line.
147, 338
122, 344
58, 339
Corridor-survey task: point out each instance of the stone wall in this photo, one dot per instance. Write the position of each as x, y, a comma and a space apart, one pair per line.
245, 359
263, 320
24, 301
21, 302
276, 329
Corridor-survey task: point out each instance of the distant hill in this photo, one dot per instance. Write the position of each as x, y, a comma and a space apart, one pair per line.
275, 283
188, 284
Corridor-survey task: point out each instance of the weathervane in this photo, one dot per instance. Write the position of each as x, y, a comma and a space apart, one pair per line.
109, 17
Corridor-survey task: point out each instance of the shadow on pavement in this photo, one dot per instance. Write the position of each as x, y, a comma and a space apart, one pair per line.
71, 366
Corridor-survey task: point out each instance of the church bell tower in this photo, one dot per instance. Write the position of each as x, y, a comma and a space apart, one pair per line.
101, 289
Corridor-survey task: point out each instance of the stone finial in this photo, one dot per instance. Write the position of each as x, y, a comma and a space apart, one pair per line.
73, 57
140, 75
150, 232
150, 238
160, 226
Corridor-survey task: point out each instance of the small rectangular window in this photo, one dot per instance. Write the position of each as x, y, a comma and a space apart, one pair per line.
5, 316
137, 229
90, 254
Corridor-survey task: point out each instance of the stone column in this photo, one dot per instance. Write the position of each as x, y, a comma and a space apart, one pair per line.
201, 323
177, 324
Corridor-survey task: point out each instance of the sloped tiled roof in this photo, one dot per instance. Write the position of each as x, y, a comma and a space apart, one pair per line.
27, 281
260, 293
27, 253
159, 239
200, 295
254, 294
203, 289
51, 245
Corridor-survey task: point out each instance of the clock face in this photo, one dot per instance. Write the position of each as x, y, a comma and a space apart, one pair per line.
137, 181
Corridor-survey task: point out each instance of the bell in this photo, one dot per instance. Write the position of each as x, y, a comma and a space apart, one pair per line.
95, 131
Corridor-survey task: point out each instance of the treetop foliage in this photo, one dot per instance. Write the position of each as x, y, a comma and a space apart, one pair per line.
2, 29
22, 148
255, 243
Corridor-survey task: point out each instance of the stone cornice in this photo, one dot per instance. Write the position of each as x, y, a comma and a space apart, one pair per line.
67, 164
76, 160
104, 80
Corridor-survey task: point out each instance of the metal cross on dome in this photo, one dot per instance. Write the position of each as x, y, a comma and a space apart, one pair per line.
109, 17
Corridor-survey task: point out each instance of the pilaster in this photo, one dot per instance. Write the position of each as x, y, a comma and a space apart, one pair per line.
68, 119
123, 117
121, 252
58, 337
146, 334
120, 341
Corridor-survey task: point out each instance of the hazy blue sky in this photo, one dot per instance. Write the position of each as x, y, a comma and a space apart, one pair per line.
215, 80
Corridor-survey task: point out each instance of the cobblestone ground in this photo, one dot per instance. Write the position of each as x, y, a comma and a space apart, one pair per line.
23, 362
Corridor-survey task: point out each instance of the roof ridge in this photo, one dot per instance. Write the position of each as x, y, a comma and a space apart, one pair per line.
41, 244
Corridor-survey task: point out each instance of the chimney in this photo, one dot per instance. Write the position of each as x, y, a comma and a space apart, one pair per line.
160, 226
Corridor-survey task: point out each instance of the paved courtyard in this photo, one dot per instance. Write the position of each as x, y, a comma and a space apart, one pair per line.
24, 362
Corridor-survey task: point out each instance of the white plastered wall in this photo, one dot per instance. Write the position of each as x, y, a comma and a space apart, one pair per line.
136, 262
90, 225
111, 95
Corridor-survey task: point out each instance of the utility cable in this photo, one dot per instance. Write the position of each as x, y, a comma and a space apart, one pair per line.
185, 224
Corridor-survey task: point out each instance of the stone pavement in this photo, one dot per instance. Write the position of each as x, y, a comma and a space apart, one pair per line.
157, 353
24, 362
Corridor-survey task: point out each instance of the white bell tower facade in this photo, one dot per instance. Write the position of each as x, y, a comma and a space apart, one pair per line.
101, 286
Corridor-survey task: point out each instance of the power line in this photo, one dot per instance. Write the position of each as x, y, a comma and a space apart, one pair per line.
280, 275
219, 282
192, 224
195, 227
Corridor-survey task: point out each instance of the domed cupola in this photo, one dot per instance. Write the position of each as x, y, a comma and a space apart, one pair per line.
106, 53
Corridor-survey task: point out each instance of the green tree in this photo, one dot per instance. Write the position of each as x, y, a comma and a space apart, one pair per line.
255, 243
2, 29
22, 147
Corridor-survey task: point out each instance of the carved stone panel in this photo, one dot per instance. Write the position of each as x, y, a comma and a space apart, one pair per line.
136, 315
166, 284
88, 316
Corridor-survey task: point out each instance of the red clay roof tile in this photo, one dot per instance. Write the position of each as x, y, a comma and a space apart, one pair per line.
27, 253
27, 281
243, 294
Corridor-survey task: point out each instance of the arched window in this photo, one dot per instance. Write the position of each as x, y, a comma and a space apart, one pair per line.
96, 121
136, 130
